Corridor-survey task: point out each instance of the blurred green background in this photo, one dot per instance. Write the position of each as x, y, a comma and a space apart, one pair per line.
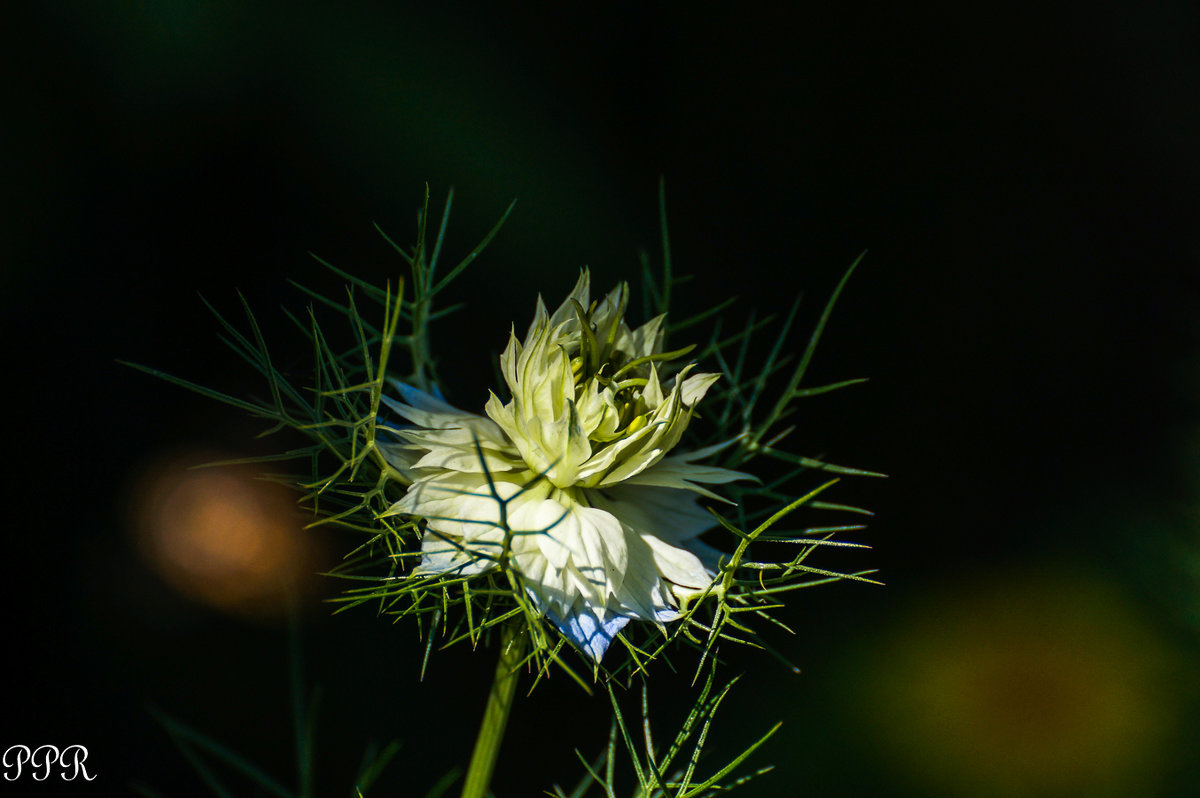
1026, 184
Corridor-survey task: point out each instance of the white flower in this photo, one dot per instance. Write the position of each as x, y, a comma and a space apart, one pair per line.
573, 474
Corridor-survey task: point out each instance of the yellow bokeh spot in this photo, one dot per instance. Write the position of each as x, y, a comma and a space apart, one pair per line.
1042, 685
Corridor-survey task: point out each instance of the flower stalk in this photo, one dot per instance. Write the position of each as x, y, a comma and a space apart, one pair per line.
495, 715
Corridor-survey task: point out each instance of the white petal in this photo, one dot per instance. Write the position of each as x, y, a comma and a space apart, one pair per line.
509, 358
442, 423
473, 461
581, 293
678, 565
652, 393
610, 454
501, 414
462, 505
671, 515
642, 592
606, 309
695, 386
400, 456
441, 554
540, 316
549, 525
678, 472
478, 431
544, 583
633, 465
647, 339
568, 533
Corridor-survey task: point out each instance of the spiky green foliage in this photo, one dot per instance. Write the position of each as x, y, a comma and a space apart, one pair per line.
350, 482
673, 772
339, 464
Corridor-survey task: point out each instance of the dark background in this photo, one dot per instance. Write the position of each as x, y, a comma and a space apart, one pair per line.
1025, 183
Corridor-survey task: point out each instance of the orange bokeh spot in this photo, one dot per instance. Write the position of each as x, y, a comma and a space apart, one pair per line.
222, 535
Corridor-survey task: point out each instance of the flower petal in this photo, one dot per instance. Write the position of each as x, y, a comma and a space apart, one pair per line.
672, 515
581, 293
472, 460
642, 593
591, 629
441, 554
694, 387
462, 505
647, 339
571, 534
679, 566
679, 472
443, 423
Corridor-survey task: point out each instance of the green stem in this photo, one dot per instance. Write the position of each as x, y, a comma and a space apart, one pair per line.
495, 716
